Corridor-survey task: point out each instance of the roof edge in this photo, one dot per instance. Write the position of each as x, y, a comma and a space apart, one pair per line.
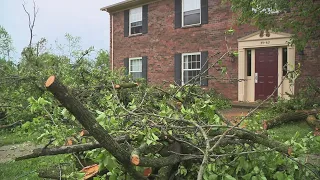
125, 5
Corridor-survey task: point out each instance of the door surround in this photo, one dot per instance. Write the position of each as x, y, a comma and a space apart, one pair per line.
246, 84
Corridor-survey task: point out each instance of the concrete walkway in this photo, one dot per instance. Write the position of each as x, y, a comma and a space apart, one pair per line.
238, 110
10, 152
234, 114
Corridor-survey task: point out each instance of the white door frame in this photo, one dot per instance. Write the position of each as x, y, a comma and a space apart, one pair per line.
246, 84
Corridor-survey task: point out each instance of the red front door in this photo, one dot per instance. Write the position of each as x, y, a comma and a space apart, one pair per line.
266, 69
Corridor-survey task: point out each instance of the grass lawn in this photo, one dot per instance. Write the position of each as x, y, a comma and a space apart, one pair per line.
27, 169
8, 138
287, 131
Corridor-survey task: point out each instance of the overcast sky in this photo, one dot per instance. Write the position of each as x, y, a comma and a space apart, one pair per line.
81, 18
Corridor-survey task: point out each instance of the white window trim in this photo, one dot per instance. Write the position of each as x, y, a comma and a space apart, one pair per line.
182, 14
182, 67
130, 34
131, 59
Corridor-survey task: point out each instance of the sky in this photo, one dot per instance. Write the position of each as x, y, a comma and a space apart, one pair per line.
55, 18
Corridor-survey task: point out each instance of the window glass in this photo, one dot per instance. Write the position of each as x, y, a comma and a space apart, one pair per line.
248, 62
191, 12
284, 61
135, 68
191, 68
135, 18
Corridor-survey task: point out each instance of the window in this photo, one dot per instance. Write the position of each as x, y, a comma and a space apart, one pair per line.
249, 62
191, 12
191, 67
135, 68
284, 61
135, 21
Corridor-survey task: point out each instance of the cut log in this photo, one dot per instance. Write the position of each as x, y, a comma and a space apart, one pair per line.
53, 173
135, 155
84, 133
288, 117
126, 85
313, 122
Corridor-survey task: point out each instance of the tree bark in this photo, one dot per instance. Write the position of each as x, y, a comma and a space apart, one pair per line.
287, 117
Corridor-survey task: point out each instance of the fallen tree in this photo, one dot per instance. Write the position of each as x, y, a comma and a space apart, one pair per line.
128, 156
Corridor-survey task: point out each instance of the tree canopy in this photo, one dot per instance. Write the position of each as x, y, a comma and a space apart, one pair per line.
299, 17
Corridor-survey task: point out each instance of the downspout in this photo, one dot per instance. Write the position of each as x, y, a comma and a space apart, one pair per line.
112, 59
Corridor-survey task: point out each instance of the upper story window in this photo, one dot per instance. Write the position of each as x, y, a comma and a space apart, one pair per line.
135, 21
191, 12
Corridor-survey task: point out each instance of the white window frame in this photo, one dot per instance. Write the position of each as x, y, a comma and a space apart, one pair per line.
182, 14
130, 60
183, 69
130, 34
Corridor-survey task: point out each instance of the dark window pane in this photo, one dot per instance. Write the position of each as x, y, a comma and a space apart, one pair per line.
284, 61
192, 17
248, 62
135, 24
136, 30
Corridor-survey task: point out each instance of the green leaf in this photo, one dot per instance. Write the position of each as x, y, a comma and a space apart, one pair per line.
213, 176
101, 117
149, 141
279, 175
229, 177
247, 176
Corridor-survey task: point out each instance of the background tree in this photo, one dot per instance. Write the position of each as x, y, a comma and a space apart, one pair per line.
6, 46
299, 17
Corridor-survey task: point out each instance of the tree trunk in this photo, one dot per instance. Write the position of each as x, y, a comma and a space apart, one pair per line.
86, 118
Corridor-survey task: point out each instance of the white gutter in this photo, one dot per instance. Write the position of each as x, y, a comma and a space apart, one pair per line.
112, 59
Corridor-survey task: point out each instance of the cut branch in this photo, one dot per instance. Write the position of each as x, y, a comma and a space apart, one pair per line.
257, 138
126, 85
60, 150
65, 149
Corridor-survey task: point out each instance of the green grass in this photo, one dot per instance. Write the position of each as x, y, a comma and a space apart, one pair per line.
287, 131
8, 138
27, 169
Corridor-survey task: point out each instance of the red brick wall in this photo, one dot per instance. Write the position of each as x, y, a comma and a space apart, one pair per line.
163, 41
310, 65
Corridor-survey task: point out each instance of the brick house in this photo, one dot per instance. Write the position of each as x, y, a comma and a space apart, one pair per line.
174, 40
